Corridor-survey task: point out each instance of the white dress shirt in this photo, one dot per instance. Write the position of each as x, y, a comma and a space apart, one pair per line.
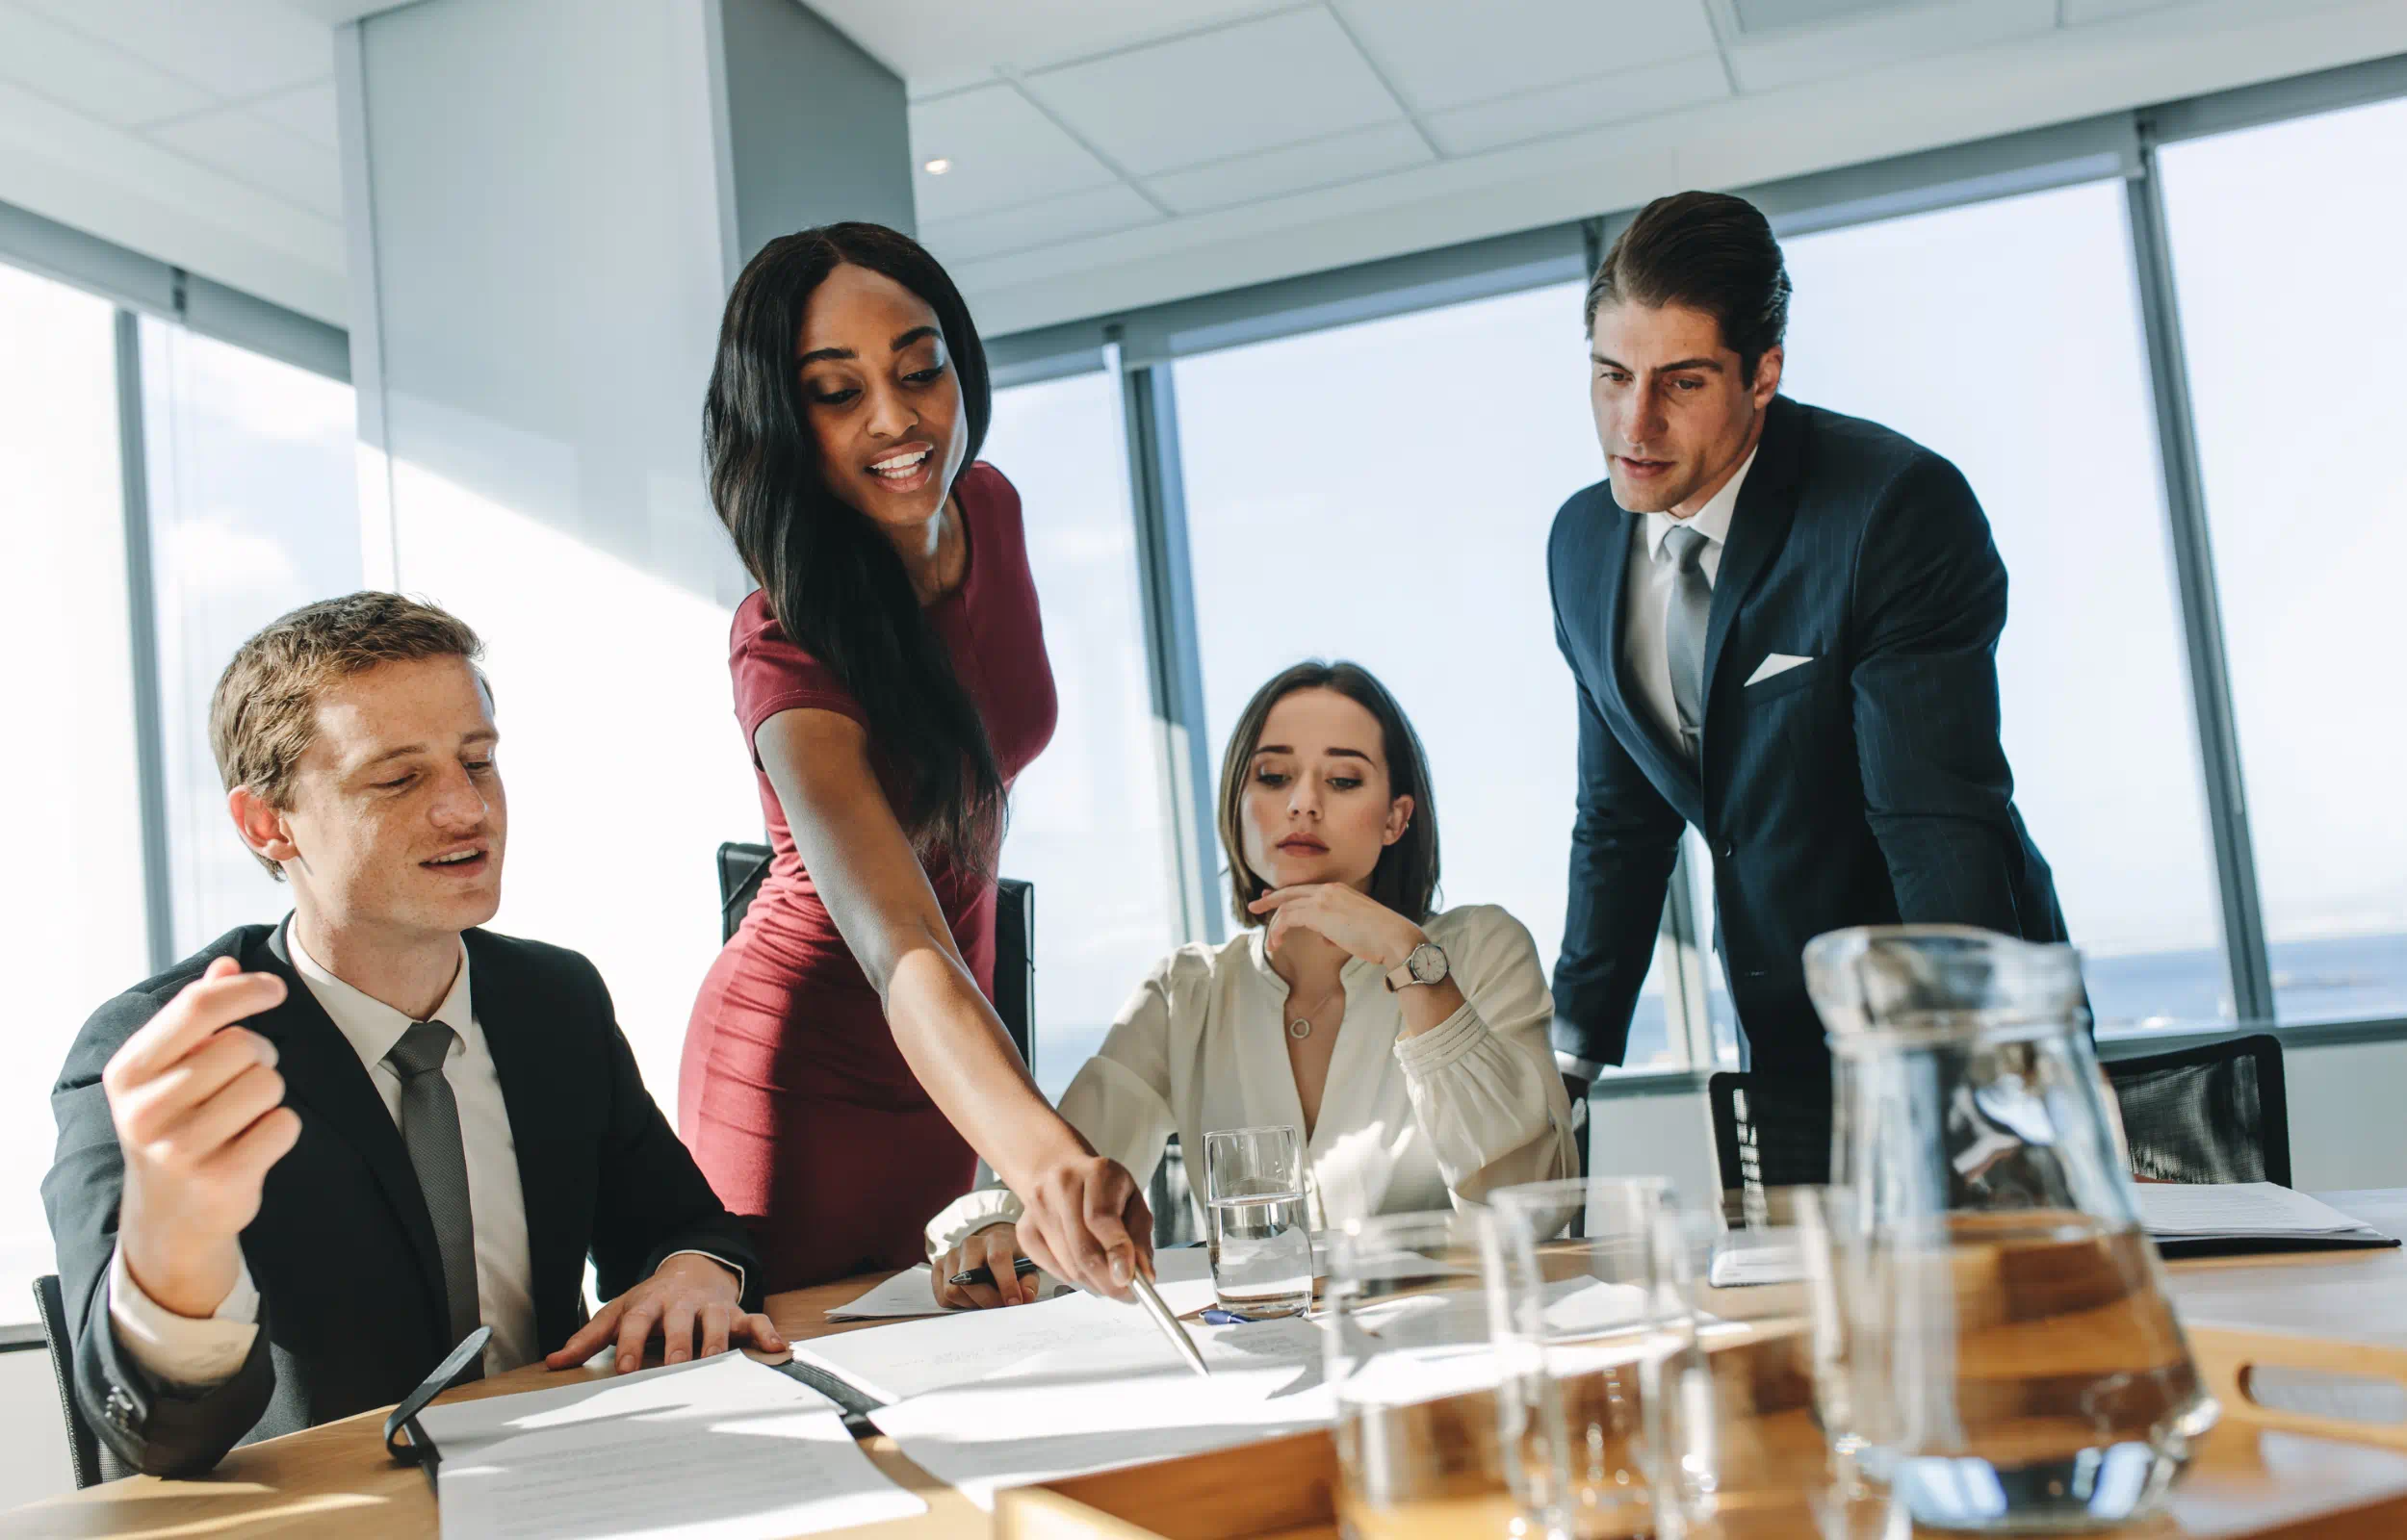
201, 1353
1647, 596
1405, 1123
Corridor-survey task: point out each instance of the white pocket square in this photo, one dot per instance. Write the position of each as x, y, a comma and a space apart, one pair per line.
1776, 663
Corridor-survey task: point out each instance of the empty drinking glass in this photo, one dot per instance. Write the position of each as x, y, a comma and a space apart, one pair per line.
1409, 1355
1262, 1240
1596, 1345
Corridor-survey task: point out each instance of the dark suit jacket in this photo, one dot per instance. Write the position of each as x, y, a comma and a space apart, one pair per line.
1865, 787
350, 1283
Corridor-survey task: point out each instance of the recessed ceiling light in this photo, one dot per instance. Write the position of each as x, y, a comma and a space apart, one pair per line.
938, 166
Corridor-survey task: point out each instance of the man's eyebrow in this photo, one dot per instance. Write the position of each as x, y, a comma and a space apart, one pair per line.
479, 737
1714, 364
817, 354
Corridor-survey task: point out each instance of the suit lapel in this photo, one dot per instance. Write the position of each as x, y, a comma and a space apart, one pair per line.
1664, 765
512, 1015
1759, 526
323, 1077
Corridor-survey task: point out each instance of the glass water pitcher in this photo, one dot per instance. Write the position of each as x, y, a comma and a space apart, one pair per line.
2003, 1355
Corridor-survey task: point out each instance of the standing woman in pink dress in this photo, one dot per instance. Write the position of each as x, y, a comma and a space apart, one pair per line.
844, 1068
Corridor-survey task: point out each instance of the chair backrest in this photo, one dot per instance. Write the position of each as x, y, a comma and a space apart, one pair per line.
1172, 1198
2218, 1113
1015, 965
1769, 1131
83, 1445
741, 867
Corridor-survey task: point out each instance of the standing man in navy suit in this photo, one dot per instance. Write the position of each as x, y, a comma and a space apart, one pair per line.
1783, 623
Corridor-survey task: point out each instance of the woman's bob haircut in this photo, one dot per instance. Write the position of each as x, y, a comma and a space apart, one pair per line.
1406, 877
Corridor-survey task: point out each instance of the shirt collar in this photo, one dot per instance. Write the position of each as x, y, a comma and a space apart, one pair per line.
1712, 520
367, 1023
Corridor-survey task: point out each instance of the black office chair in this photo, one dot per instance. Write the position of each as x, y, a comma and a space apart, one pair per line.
1768, 1132
2218, 1113
95, 1462
1171, 1198
742, 867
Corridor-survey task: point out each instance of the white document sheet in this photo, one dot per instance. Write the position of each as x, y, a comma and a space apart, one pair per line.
910, 1294
2175, 1210
914, 1357
720, 1448
1103, 1403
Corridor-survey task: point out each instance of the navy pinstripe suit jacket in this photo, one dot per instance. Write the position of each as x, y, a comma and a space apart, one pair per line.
1867, 786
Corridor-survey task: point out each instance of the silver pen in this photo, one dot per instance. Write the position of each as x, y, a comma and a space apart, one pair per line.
1169, 1324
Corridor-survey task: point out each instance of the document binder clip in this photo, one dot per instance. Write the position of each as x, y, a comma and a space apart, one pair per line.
419, 1450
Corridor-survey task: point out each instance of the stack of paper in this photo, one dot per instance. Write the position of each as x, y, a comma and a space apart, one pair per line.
721, 1448
895, 1363
2222, 1212
1098, 1404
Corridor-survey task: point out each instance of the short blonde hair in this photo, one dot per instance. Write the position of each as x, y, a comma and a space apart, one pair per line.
263, 715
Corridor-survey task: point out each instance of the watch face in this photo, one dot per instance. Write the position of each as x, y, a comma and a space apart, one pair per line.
1427, 963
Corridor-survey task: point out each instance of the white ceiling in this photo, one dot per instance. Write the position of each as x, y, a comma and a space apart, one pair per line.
1106, 153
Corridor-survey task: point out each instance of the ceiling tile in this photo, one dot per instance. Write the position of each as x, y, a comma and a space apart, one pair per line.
262, 154
2077, 12
1230, 91
1450, 56
1097, 211
237, 48
1365, 152
938, 45
92, 77
1890, 37
1003, 152
1614, 99
308, 111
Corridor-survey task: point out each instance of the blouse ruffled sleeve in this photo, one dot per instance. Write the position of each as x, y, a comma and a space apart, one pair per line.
1483, 1083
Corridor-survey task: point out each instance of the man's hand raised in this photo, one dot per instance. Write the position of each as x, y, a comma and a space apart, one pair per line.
199, 1117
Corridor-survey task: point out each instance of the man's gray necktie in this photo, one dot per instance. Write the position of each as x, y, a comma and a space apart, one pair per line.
431, 1132
1685, 614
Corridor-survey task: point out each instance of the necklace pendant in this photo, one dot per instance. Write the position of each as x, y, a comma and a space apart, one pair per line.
1299, 1029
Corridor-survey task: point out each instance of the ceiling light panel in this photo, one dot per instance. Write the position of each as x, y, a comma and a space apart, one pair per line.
1233, 91
1620, 98
1004, 151
1442, 56
1350, 157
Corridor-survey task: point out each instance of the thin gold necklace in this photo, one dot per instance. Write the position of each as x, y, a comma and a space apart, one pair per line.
1301, 1027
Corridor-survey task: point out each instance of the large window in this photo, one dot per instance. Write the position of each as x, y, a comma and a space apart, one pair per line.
1087, 826
1382, 492
254, 511
2286, 249
2007, 337
73, 905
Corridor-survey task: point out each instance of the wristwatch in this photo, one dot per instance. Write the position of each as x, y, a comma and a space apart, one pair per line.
1426, 964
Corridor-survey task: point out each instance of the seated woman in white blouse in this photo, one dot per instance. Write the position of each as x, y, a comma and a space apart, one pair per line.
1409, 1047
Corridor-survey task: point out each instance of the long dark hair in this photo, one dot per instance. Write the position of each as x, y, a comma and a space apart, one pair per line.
837, 586
1406, 877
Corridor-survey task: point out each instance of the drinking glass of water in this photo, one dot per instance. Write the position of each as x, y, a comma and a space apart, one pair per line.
1261, 1245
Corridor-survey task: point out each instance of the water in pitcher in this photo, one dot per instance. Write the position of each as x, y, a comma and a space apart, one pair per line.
1262, 1254
2023, 1372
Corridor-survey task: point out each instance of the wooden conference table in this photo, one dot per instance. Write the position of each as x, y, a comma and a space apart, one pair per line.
336, 1479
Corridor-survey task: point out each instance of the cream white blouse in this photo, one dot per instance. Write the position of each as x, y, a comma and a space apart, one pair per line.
1405, 1123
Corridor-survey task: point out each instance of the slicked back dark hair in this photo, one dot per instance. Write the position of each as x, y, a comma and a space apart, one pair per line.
1406, 877
838, 588
1707, 251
